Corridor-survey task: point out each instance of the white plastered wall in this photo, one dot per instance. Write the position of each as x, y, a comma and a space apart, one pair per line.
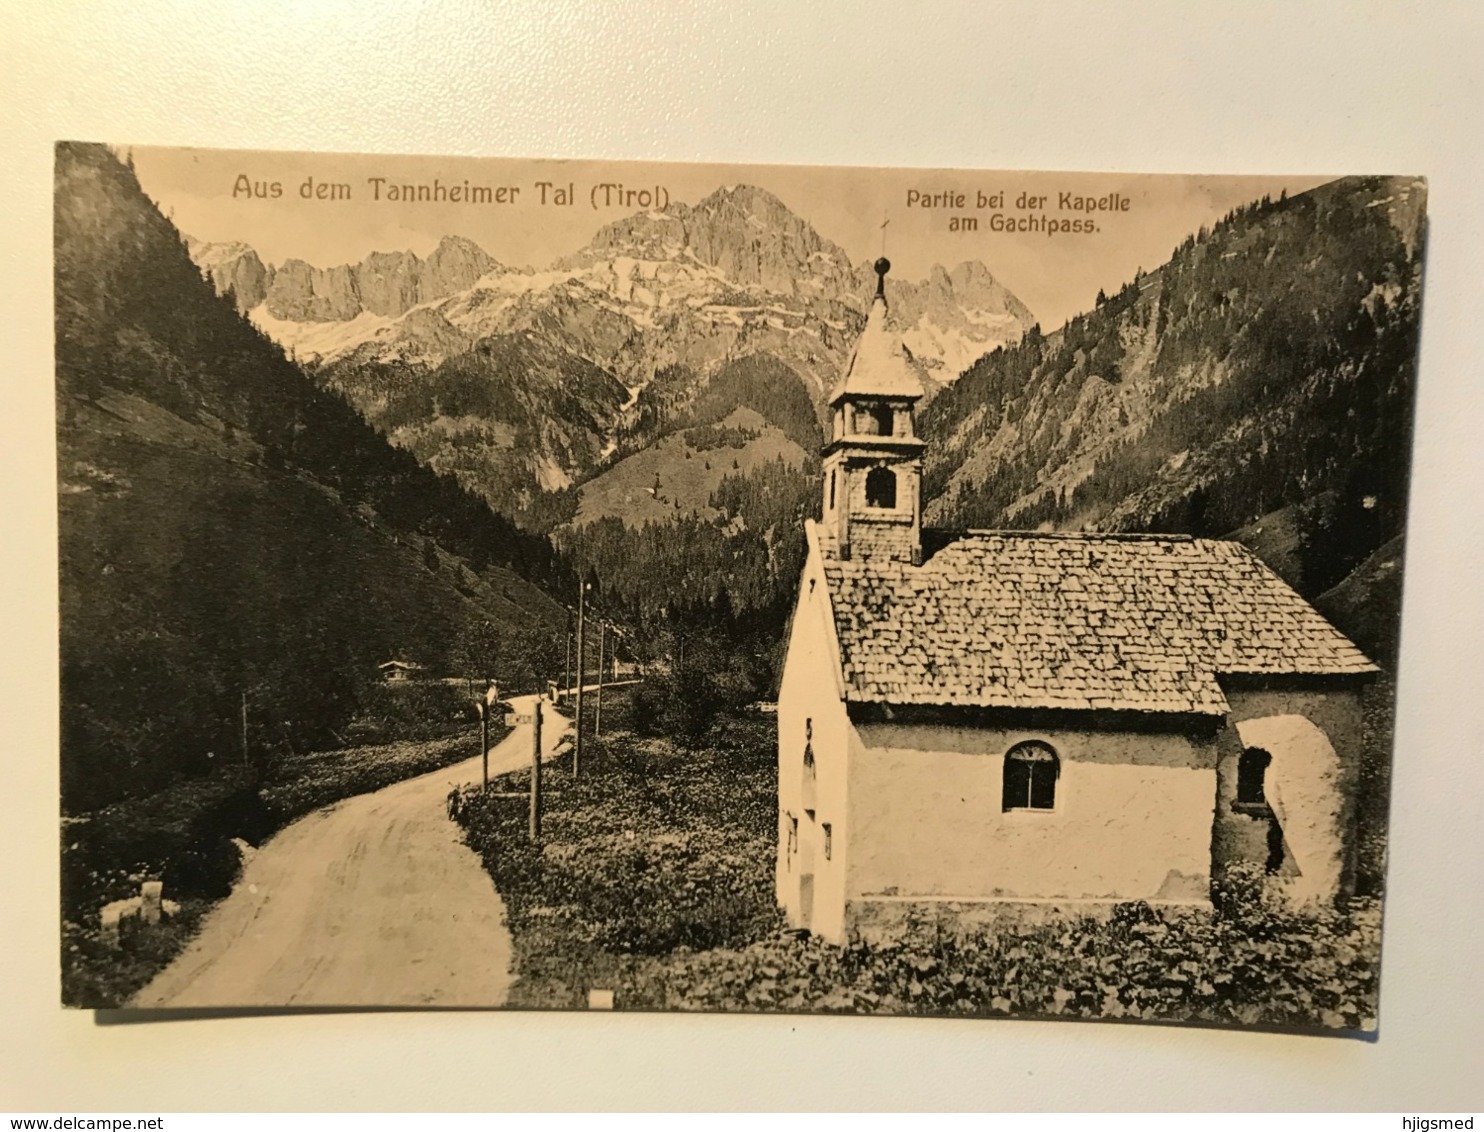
809, 700
1132, 818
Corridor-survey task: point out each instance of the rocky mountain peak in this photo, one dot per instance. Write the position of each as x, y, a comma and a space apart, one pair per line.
750, 200
454, 265
232, 265
756, 240
644, 235
388, 284
302, 292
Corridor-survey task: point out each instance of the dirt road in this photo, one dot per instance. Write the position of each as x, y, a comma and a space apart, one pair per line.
372, 901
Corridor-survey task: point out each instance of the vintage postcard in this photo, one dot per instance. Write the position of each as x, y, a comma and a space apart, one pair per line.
541, 584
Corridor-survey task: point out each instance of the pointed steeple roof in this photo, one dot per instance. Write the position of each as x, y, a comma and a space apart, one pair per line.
878, 365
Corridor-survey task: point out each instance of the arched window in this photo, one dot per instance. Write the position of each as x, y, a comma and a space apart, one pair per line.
881, 488
1252, 769
1031, 771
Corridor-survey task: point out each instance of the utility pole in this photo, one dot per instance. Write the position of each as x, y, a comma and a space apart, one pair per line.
484, 743
581, 633
567, 664
535, 825
598, 703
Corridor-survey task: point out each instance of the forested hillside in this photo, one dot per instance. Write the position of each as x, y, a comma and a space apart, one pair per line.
506, 417
717, 542
228, 529
1266, 370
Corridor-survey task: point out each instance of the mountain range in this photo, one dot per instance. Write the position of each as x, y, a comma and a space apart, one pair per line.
521, 381
388, 284
1259, 384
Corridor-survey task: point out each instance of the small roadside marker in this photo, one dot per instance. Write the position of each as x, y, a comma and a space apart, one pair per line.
600, 1000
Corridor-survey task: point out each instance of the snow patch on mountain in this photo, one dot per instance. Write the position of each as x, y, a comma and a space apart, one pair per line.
318, 341
948, 350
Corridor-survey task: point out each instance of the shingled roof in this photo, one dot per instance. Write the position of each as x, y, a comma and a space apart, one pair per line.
1112, 622
878, 366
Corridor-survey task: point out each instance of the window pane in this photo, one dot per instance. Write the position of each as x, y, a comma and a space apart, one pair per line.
1043, 785
1030, 777
1017, 783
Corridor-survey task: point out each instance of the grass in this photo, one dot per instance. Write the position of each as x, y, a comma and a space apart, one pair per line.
654, 879
97, 975
653, 851
324, 777
182, 835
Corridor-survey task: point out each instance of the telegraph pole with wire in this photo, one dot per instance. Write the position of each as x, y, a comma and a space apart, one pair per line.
535, 817
581, 633
598, 703
567, 664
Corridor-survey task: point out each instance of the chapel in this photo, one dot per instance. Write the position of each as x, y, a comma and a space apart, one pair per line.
981, 724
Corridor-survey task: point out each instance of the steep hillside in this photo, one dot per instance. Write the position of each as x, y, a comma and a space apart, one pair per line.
730, 481
512, 415
1367, 605
730, 564
227, 529
1270, 362
681, 473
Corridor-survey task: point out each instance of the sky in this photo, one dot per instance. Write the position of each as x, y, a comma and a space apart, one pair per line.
208, 194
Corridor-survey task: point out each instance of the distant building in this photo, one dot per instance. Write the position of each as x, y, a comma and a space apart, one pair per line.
395, 671
988, 723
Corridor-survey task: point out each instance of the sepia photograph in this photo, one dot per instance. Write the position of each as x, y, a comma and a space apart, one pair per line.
581, 585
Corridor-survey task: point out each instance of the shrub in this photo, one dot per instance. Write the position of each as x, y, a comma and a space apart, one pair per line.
207, 867
1242, 892
685, 703
1137, 964
411, 710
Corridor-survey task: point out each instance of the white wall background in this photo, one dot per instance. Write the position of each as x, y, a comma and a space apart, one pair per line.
1155, 86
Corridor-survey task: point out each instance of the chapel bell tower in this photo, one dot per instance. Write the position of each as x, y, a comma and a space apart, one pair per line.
873, 462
